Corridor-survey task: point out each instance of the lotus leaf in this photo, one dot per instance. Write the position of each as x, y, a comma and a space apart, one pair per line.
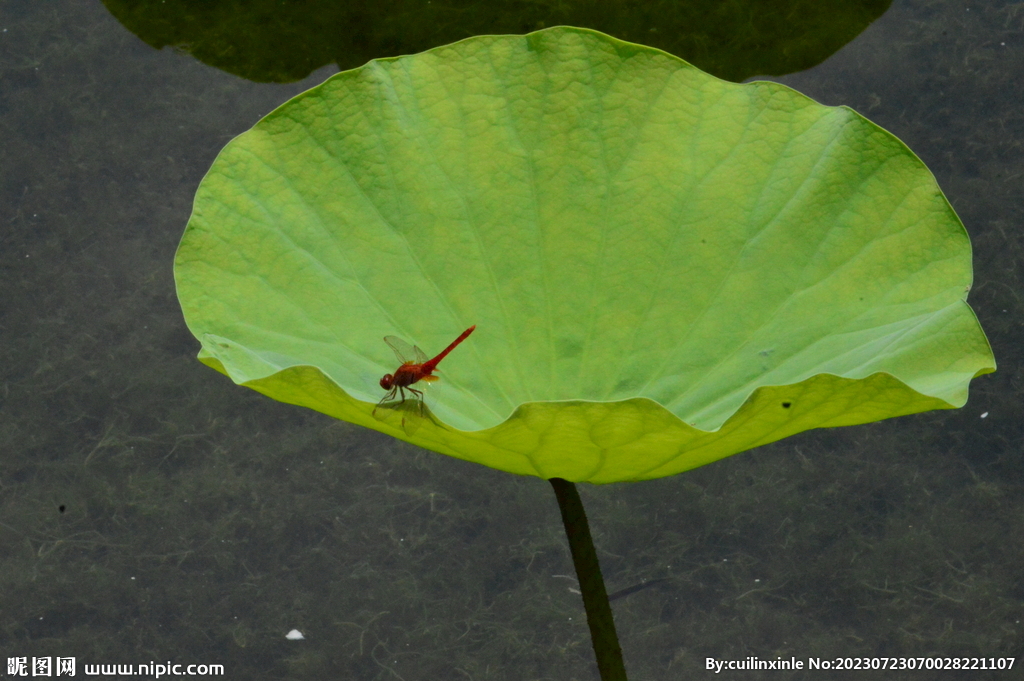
664, 268
271, 40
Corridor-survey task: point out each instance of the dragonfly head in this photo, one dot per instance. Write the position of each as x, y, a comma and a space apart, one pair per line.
387, 381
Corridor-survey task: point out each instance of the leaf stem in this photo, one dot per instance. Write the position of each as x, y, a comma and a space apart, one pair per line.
588, 570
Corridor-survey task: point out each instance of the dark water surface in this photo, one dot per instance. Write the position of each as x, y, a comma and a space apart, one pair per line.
152, 511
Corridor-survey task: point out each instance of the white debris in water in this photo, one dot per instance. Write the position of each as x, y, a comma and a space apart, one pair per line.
294, 635
985, 415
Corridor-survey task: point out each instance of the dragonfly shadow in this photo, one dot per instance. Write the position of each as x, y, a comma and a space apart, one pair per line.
408, 415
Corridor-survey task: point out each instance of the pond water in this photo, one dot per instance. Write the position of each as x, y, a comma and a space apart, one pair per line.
153, 512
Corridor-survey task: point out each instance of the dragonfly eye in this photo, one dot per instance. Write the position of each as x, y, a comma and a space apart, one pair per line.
386, 381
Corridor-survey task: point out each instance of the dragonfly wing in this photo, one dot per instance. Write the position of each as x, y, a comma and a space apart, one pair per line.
421, 356
403, 351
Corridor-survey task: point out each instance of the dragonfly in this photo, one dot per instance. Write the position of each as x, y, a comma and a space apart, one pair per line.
415, 367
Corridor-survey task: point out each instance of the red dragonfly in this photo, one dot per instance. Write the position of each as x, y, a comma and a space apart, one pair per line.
415, 367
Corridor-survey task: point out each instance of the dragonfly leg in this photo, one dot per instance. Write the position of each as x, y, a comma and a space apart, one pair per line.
390, 402
387, 398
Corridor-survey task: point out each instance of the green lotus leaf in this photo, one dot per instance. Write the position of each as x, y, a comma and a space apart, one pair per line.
664, 268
